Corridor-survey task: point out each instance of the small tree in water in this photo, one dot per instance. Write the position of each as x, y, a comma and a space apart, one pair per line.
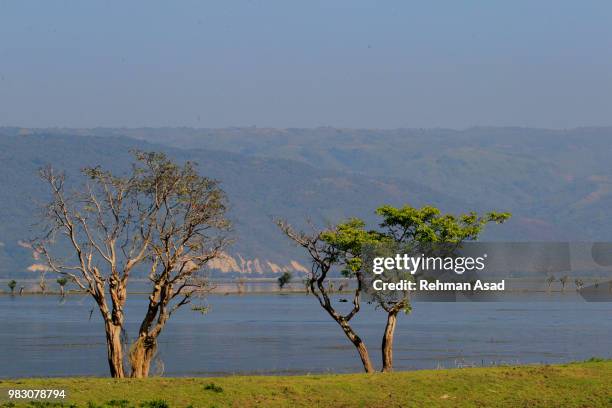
12, 285
162, 216
284, 279
564, 279
549, 281
42, 282
579, 284
306, 283
62, 283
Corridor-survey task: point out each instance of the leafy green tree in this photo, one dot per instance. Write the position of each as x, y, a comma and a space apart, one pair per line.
12, 285
412, 227
343, 246
284, 279
62, 283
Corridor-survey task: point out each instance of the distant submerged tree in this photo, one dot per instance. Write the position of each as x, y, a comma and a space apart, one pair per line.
42, 282
306, 283
579, 284
330, 287
564, 279
240, 285
284, 279
62, 283
12, 285
161, 217
549, 281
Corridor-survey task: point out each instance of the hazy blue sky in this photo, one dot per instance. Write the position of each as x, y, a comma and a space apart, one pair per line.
302, 64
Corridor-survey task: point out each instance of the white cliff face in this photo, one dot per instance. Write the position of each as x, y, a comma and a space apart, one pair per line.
225, 263
38, 267
298, 267
237, 263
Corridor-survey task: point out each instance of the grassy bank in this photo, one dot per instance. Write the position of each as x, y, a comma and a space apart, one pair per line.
587, 384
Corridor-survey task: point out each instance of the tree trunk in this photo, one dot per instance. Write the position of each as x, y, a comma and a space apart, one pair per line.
141, 355
62, 292
360, 345
387, 342
114, 350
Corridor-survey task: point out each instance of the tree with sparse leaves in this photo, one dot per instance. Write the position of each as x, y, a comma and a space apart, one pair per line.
161, 217
329, 248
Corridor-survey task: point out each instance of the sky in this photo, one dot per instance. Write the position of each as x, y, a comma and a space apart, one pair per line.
355, 64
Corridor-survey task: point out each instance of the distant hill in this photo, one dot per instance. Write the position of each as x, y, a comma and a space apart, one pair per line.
259, 189
557, 183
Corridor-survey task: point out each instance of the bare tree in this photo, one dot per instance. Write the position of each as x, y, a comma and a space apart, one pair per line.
42, 282
549, 281
240, 285
325, 255
185, 238
162, 217
306, 282
330, 286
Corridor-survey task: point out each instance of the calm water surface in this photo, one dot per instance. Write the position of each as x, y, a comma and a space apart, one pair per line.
43, 336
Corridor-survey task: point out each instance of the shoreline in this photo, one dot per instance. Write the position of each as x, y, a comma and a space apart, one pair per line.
571, 291
573, 384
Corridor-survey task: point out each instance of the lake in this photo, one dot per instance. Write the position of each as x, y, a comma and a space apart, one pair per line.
291, 334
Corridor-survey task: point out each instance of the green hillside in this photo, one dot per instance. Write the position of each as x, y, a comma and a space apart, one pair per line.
558, 184
259, 189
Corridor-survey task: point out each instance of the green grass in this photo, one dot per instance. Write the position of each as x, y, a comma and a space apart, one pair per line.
586, 384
